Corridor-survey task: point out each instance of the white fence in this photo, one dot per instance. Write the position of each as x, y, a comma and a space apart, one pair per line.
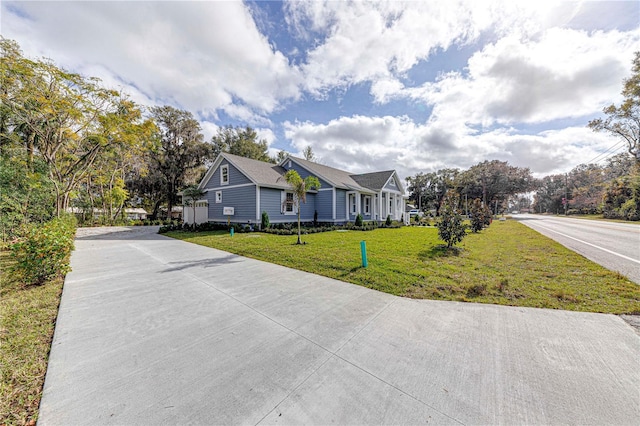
202, 214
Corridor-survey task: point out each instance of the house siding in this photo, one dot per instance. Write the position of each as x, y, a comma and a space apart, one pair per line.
341, 205
324, 205
235, 177
270, 202
242, 199
390, 187
304, 173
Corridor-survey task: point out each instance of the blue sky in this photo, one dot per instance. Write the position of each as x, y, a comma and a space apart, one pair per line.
414, 86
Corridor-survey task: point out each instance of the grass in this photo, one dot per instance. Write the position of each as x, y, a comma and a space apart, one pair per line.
26, 330
506, 264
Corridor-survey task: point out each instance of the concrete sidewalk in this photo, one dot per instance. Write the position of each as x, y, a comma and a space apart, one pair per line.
157, 331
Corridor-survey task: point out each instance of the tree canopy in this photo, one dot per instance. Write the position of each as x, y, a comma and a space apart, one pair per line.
240, 141
623, 121
179, 149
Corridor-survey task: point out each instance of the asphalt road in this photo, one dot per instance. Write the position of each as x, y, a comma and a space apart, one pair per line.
616, 246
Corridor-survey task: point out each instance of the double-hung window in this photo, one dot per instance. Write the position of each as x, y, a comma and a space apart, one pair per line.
288, 204
224, 174
218, 196
367, 205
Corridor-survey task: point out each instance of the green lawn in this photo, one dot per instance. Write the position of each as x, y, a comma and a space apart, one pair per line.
27, 320
506, 264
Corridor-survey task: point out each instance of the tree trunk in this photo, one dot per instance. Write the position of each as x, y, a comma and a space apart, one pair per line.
299, 240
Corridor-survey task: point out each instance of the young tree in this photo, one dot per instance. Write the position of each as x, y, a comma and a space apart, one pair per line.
451, 230
624, 121
242, 142
478, 212
300, 187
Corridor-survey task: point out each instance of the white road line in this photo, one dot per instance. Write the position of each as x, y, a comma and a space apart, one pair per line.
592, 245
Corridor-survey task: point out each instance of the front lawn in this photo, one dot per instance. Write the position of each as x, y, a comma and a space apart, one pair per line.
506, 264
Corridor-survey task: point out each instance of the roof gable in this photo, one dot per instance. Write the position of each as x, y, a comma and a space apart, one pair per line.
375, 181
259, 172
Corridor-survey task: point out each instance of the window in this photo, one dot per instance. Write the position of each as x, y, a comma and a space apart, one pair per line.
224, 174
367, 205
218, 196
352, 203
288, 205
392, 182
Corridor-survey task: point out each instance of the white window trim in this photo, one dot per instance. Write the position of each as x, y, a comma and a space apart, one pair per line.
367, 205
218, 197
224, 167
284, 204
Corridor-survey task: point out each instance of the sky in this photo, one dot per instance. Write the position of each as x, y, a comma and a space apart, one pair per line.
414, 86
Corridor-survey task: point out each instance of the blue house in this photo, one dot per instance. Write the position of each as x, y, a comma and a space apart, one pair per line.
239, 189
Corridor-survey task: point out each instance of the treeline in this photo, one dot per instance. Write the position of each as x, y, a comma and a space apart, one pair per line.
69, 144
612, 189
495, 184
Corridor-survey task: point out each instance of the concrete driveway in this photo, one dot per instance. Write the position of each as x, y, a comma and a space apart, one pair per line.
157, 331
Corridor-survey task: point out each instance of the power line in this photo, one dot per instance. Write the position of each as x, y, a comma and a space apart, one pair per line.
605, 152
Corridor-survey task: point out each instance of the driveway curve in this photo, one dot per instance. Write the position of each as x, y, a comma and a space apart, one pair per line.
153, 330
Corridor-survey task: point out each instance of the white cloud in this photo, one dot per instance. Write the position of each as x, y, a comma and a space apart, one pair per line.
201, 56
563, 74
381, 40
364, 144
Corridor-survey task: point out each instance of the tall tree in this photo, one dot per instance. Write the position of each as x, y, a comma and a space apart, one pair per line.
428, 190
178, 150
309, 155
64, 118
548, 197
495, 181
240, 141
300, 187
623, 121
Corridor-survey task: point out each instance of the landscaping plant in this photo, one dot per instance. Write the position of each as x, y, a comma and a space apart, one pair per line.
450, 227
43, 250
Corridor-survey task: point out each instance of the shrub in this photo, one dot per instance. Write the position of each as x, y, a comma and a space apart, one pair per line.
478, 213
264, 222
358, 220
42, 252
451, 230
388, 221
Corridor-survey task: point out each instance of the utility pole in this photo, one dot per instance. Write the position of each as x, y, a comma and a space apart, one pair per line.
566, 191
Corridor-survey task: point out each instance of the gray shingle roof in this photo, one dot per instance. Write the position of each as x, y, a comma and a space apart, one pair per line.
375, 181
337, 177
262, 173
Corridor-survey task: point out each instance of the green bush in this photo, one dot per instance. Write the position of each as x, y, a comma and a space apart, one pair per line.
358, 220
388, 221
42, 252
451, 229
264, 224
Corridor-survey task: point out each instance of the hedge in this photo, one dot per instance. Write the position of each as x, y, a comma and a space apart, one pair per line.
43, 250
